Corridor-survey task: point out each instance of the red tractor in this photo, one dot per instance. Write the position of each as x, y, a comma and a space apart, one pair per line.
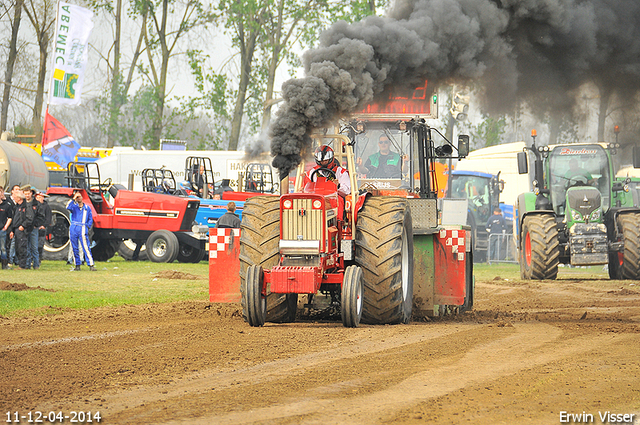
302, 243
165, 222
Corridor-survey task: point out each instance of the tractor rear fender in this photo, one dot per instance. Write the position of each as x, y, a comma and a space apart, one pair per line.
360, 204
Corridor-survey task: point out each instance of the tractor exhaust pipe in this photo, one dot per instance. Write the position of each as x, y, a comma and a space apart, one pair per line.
284, 183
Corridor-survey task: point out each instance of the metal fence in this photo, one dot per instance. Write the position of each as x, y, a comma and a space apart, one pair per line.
502, 248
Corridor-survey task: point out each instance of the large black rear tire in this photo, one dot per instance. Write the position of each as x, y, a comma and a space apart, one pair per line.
57, 245
384, 251
540, 247
104, 249
126, 248
469, 284
630, 227
259, 245
189, 254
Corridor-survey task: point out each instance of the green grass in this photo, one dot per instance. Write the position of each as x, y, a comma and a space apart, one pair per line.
117, 282
511, 271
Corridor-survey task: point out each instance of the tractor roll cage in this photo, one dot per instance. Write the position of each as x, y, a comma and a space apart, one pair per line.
343, 150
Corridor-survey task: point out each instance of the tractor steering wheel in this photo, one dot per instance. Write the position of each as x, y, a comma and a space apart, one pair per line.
577, 181
105, 185
326, 172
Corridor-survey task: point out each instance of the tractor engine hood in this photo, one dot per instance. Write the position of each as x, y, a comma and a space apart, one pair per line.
584, 204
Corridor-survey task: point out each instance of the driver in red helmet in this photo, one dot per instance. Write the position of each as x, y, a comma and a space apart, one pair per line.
326, 159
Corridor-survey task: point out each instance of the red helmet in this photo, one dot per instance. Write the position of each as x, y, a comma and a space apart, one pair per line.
324, 156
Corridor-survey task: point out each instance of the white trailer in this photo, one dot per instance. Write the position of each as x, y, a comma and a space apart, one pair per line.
121, 163
500, 158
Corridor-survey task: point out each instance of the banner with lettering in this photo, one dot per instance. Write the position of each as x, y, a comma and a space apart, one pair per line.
70, 53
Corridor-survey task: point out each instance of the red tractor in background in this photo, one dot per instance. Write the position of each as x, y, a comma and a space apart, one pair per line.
165, 222
299, 243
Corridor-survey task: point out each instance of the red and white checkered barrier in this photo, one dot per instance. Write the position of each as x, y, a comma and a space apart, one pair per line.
220, 239
224, 265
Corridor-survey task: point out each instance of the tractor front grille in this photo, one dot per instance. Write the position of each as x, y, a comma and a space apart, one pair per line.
302, 222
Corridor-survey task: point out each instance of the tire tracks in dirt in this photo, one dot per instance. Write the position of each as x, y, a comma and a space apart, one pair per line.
201, 382
532, 344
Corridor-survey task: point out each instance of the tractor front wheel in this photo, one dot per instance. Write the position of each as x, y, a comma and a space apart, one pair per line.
253, 299
162, 246
540, 247
351, 298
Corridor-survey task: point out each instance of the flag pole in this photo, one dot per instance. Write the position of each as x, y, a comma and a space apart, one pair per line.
53, 68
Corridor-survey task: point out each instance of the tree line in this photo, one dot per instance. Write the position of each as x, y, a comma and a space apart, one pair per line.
138, 45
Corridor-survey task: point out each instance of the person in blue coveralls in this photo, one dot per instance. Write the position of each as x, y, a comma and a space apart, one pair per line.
81, 222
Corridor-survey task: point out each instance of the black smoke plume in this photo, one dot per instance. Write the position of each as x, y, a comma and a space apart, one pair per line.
537, 51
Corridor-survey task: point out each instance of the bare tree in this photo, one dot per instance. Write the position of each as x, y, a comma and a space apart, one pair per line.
160, 39
121, 77
42, 14
11, 60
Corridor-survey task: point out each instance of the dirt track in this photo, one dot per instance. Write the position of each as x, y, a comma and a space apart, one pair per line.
527, 352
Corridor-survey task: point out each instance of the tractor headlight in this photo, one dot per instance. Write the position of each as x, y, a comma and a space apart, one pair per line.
576, 216
595, 216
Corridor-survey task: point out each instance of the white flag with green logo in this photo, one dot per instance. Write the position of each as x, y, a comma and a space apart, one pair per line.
70, 53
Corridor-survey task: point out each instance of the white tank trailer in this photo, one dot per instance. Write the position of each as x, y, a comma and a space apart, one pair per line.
21, 165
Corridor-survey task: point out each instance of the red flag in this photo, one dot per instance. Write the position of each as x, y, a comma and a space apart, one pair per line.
57, 142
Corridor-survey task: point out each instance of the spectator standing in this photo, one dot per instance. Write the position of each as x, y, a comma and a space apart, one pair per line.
43, 230
496, 225
81, 222
6, 216
201, 181
22, 220
33, 259
229, 219
13, 200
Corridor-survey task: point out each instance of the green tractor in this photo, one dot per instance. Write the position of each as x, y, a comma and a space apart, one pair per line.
577, 213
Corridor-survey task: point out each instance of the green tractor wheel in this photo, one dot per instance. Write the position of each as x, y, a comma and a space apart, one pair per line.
626, 264
540, 248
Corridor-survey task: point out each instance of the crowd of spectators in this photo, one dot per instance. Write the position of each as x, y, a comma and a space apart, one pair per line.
24, 219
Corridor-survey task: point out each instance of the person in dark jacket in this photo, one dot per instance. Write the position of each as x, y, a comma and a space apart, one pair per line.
22, 220
43, 229
33, 259
6, 217
11, 242
230, 218
496, 225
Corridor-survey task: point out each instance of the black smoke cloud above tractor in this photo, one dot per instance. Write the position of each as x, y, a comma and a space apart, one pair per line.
537, 51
